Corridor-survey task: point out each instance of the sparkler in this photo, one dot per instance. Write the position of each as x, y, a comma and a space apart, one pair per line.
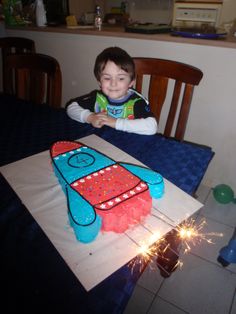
146, 252
186, 235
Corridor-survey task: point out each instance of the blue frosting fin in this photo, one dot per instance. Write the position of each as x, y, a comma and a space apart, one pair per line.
83, 218
153, 179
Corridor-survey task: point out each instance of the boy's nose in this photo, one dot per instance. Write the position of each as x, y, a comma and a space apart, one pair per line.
113, 82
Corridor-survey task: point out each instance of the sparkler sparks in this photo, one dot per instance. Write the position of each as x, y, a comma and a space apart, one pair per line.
186, 235
192, 234
146, 252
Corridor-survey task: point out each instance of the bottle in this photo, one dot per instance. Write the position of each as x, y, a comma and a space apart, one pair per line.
123, 7
98, 18
41, 19
124, 11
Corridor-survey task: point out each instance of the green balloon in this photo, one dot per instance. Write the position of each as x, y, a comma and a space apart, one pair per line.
223, 194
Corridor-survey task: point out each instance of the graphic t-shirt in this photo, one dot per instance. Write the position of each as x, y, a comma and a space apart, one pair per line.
132, 106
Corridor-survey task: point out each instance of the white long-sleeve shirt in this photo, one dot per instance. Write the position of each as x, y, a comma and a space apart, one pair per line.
139, 119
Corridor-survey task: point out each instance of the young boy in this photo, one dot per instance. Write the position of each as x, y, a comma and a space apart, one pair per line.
116, 104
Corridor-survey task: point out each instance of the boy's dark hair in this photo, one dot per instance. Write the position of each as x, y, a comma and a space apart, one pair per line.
117, 55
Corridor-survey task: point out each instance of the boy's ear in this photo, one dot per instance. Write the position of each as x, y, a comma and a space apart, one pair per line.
132, 83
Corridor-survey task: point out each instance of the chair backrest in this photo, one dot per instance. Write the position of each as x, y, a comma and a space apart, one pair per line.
37, 78
10, 45
160, 72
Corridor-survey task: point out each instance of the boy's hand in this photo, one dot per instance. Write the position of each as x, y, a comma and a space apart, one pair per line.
96, 119
100, 119
109, 121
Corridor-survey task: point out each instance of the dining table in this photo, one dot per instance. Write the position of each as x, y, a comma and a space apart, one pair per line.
35, 277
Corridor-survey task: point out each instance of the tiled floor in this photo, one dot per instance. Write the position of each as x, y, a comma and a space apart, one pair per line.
201, 285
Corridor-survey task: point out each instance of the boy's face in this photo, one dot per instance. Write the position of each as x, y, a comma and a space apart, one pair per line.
114, 81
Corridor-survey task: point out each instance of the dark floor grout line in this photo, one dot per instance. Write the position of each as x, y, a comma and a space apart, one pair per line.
161, 285
154, 293
231, 305
150, 292
203, 201
146, 289
150, 305
176, 306
208, 194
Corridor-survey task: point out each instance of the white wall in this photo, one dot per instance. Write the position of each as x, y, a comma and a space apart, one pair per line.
213, 113
228, 13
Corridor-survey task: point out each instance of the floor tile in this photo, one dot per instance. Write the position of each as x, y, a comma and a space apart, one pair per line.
161, 306
219, 234
223, 213
151, 278
140, 302
200, 287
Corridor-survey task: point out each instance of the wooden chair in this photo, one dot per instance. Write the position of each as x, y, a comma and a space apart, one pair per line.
37, 78
10, 45
160, 72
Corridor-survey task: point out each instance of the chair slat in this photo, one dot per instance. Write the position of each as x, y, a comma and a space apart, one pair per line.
10, 45
161, 72
43, 82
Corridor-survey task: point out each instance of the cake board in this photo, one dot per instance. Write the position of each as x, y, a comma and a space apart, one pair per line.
35, 183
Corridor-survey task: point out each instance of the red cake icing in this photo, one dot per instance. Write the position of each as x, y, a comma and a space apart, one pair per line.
118, 196
63, 147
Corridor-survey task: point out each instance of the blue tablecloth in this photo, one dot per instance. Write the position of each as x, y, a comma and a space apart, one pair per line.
33, 275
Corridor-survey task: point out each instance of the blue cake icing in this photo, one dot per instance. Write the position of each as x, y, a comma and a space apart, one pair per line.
75, 163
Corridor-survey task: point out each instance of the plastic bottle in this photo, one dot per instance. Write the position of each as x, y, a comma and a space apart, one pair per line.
98, 18
41, 19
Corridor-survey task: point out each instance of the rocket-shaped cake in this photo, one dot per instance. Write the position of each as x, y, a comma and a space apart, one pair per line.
102, 194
